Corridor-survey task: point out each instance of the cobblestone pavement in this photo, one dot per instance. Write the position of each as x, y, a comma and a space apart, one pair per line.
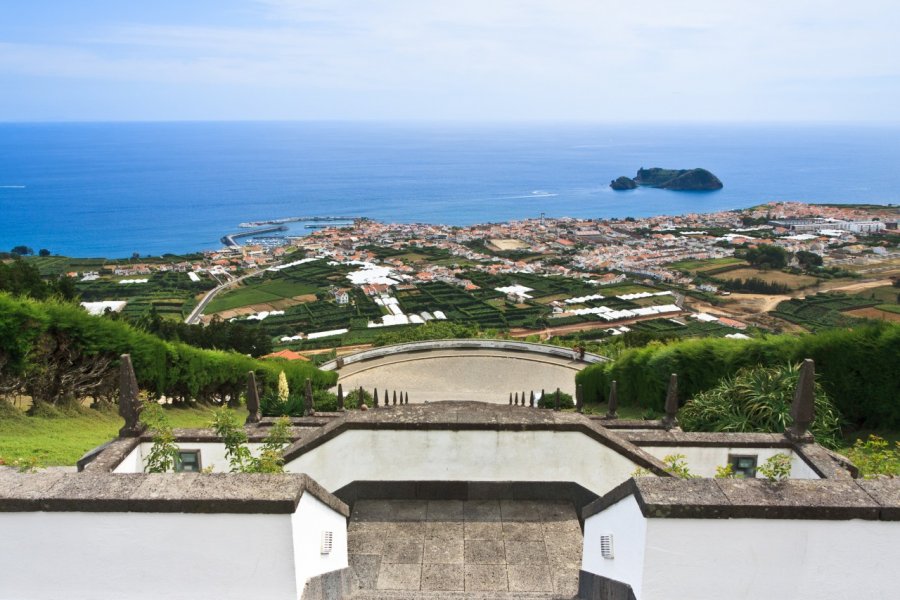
481, 375
478, 547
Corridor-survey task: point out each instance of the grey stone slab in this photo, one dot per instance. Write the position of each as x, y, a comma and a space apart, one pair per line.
529, 578
444, 551
440, 530
482, 510
364, 569
526, 553
371, 510
484, 530
553, 512
407, 510
485, 552
565, 580
445, 510
401, 551
798, 499
399, 577
561, 529
486, 578
520, 510
390, 529
887, 493
443, 577
522, 531
364, 542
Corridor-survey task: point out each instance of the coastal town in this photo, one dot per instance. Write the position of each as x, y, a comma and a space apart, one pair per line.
694, 274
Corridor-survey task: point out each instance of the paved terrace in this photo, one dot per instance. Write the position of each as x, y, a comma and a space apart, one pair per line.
484, 375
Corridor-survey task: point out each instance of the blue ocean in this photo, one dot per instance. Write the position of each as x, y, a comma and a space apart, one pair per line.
105, 189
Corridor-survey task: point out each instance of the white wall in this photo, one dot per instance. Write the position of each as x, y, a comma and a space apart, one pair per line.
703, 461
629, 530
711, 559
406, 455
311, 519
210, 454
111, 556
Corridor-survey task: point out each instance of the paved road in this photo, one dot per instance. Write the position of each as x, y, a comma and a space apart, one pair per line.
198, 310
482, 375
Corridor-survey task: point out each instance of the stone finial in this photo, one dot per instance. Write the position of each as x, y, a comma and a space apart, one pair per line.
406, 398
510, 399
130, 406
523, 397
375, 399
670, 421
531, 399
803, 409
395, 398
340, 398
579, 398
556, 400
253, 415
516, 399
360, 398
308, 408
612, 406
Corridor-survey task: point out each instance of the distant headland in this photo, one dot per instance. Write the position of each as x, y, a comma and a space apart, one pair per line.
681, 180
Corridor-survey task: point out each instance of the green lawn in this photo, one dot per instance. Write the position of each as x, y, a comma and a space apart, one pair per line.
63, 440
891, 308
260, 293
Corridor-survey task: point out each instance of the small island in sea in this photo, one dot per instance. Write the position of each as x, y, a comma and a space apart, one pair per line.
682, 180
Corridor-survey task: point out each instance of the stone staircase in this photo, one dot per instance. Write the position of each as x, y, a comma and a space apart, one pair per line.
476, 549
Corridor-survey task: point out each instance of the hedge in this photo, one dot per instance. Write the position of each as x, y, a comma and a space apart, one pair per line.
857, 367
163, 368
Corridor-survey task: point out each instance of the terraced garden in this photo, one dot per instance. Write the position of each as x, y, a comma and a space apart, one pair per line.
822, 311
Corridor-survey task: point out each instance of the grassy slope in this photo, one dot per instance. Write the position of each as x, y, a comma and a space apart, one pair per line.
62, 440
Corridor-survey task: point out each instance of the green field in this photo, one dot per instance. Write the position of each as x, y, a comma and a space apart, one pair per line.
891, 308
63, 439
707, 264
821, 311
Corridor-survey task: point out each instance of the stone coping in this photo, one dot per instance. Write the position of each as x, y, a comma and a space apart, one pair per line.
825, 463
160, 493
460, 344
811, 499
477, 416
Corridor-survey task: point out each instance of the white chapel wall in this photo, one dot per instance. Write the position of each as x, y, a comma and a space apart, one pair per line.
443, 455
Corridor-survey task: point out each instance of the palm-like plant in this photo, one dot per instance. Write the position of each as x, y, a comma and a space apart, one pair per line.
758, 399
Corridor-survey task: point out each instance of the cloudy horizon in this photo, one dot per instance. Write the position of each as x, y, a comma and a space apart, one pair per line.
487, 60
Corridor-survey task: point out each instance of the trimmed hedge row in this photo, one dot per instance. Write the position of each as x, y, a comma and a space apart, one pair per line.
172, 369
857, 367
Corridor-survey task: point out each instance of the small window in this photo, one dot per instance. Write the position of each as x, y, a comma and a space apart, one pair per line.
188, 462
743, 466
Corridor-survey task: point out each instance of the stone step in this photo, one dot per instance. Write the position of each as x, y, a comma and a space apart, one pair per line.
420, 595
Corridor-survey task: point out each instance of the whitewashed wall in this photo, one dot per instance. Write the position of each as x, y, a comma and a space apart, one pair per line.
210, 454
629, 530
711, 559
312, 518
401, 455
138, 556
703, 461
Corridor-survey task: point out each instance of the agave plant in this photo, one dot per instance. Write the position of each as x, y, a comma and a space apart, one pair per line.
759, 399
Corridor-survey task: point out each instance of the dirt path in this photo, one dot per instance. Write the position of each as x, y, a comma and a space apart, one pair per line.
856, 287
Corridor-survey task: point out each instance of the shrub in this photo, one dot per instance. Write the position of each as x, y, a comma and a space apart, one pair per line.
164, 452
856, 368
776, 467
875, 457
549, 400
758, 399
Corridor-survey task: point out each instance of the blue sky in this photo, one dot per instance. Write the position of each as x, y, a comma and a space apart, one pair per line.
580, 60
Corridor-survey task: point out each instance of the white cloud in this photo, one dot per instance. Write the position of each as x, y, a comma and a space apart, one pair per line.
521, 58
